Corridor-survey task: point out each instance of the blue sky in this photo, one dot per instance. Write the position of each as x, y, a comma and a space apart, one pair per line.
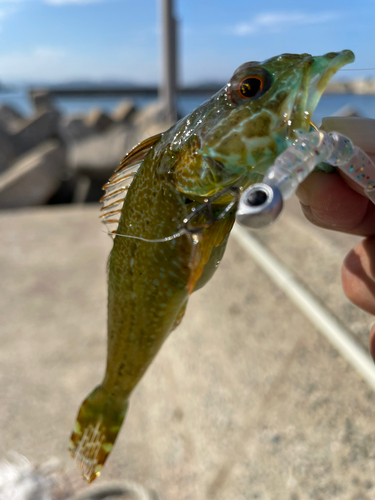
62, 40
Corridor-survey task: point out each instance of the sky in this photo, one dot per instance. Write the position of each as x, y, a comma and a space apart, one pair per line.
66, 40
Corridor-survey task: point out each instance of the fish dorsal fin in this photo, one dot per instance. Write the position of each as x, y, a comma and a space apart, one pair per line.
138, 153
117, 186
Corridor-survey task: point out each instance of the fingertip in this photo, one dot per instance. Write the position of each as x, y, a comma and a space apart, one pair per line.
329, 202
352, 276
358, 275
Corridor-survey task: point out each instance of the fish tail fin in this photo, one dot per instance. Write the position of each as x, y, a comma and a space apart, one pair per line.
95, 431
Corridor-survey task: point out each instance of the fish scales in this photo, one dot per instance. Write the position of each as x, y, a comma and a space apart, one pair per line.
148, 288
226, 143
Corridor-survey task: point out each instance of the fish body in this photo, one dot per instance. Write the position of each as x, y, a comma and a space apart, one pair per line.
228, 142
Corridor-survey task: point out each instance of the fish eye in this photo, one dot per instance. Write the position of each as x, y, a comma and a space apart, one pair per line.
248, 83
250, 86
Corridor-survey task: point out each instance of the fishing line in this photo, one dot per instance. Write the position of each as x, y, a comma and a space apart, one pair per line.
196, 211
147, 240
357, 69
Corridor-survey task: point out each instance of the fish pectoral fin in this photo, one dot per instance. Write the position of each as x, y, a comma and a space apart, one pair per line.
204, 254
211, 265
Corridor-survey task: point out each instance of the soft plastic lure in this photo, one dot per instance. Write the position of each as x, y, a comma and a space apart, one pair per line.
261, 203
182, 188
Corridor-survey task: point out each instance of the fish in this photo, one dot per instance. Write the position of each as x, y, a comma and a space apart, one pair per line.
168, 201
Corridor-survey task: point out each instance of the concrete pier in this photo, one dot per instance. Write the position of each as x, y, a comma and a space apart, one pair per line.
246, 400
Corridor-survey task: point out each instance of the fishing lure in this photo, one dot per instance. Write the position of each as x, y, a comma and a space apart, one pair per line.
262, 203
170, 207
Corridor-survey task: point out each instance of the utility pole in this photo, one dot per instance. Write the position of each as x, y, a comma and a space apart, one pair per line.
168, 86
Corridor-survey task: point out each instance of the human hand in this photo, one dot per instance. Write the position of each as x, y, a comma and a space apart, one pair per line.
333, 201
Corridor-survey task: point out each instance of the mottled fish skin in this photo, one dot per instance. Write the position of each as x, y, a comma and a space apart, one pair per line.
223, 143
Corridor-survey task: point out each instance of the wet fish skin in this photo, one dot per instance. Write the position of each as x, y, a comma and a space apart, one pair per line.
228, 141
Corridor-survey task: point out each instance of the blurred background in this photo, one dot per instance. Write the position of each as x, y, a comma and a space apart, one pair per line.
80, 80
247, 399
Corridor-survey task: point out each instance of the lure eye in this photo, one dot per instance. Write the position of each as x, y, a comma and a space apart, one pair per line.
248, 82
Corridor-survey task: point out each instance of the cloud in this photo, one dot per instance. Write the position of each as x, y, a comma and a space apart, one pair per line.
7, 10
47, 53
71, 2
281, 21
53, 64
54, 2
41, 60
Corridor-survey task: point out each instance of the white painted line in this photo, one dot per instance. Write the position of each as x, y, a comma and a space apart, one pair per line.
327, 324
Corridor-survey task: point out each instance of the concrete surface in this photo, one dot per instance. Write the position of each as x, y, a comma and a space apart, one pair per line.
245, 400
315, 255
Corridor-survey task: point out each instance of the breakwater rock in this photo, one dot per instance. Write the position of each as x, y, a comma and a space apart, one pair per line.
52, 158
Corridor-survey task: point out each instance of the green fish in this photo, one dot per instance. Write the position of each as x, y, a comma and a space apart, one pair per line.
165, 246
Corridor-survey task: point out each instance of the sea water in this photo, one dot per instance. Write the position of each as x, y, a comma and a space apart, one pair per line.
328, 105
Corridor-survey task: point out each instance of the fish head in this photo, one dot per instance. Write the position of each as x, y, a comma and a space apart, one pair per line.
256, 115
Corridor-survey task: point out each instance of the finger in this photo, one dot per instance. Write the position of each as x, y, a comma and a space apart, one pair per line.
329, 202
358, 275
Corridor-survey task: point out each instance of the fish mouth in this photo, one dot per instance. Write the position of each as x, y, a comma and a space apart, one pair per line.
315, 73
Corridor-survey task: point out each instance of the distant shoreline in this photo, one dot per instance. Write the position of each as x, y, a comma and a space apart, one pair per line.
82, 104
355, 87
